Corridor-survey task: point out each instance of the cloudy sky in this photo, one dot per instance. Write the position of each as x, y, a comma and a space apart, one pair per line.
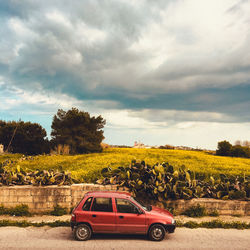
159, 71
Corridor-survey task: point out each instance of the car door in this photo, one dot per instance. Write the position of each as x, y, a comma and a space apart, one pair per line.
84, 213
102, 215
128, 218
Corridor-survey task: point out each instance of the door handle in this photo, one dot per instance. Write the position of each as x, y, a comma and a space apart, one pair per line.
121, 217
93, 215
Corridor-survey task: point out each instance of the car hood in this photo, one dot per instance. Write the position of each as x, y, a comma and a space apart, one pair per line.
160, 211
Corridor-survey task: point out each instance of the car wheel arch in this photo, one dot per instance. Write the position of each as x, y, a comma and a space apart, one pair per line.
157, 223
85, 223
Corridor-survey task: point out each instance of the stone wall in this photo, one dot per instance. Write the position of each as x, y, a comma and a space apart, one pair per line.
42, 199
227, 207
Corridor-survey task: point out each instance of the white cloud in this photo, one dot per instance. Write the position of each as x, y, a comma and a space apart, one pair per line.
101, 55
180, 115
137, 45
58, 17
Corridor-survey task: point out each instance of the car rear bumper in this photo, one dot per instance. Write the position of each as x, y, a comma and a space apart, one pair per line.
72, 224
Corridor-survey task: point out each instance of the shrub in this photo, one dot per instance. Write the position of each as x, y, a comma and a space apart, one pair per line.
7, 223
59, 211
19, 210
195, 211
237, 194
36, 178
214, 213
214, 224
191, 224
163, 182
2, 209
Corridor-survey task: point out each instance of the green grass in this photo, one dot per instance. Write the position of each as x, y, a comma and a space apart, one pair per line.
86, 168
214, 224
59, 211
195, 211
19, 210
24, 223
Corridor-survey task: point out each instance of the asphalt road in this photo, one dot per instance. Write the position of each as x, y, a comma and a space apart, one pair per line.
183, 238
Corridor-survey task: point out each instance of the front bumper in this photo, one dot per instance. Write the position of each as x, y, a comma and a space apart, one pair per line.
170, 228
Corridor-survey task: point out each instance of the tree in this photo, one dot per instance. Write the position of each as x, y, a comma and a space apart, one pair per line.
78, 130
224, 148
240, 151
24, 137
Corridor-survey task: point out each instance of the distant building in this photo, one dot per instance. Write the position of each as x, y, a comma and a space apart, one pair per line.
1, 149
185, 148
140, 145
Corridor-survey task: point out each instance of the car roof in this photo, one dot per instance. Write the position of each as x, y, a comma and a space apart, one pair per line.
108, 194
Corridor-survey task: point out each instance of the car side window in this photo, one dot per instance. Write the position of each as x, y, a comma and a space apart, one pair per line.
101, 204
125, 206
87, 204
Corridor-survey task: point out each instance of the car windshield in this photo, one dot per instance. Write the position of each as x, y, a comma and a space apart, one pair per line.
145, 207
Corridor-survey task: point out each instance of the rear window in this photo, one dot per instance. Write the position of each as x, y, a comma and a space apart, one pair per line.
87, 204
102, 204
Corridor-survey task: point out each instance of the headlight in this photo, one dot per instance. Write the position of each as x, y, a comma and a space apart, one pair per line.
173, 221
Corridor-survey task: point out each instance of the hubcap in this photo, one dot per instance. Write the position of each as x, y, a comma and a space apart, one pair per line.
82, 232
157, 232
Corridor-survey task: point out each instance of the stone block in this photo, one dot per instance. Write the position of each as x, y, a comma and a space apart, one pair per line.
64, 204
77, 193
3, 199
51, 198
23, 192
40, 198
4, 191
11, 204
38, 205
60, 198
12, 192
107, 187
62, 191
88, 187
25, 199
11, 198
76, 187
42, 191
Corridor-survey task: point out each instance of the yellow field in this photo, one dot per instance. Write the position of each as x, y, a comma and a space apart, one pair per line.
87, 167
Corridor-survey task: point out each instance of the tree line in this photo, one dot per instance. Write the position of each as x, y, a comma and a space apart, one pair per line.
240, 149
78, 130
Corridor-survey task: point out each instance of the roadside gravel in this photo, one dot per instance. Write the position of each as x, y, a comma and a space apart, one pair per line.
183, 238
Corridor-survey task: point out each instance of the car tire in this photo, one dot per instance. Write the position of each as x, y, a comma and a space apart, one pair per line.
157, 232
82, 232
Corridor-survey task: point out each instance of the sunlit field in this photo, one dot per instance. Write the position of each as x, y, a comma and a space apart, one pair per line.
86, 168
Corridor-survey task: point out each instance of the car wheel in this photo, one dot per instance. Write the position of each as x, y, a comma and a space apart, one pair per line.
157, 232
82, 232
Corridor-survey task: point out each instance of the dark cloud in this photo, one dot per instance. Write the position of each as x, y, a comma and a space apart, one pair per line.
140, 54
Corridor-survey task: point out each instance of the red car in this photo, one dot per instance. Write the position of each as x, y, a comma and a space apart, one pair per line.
118, 212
